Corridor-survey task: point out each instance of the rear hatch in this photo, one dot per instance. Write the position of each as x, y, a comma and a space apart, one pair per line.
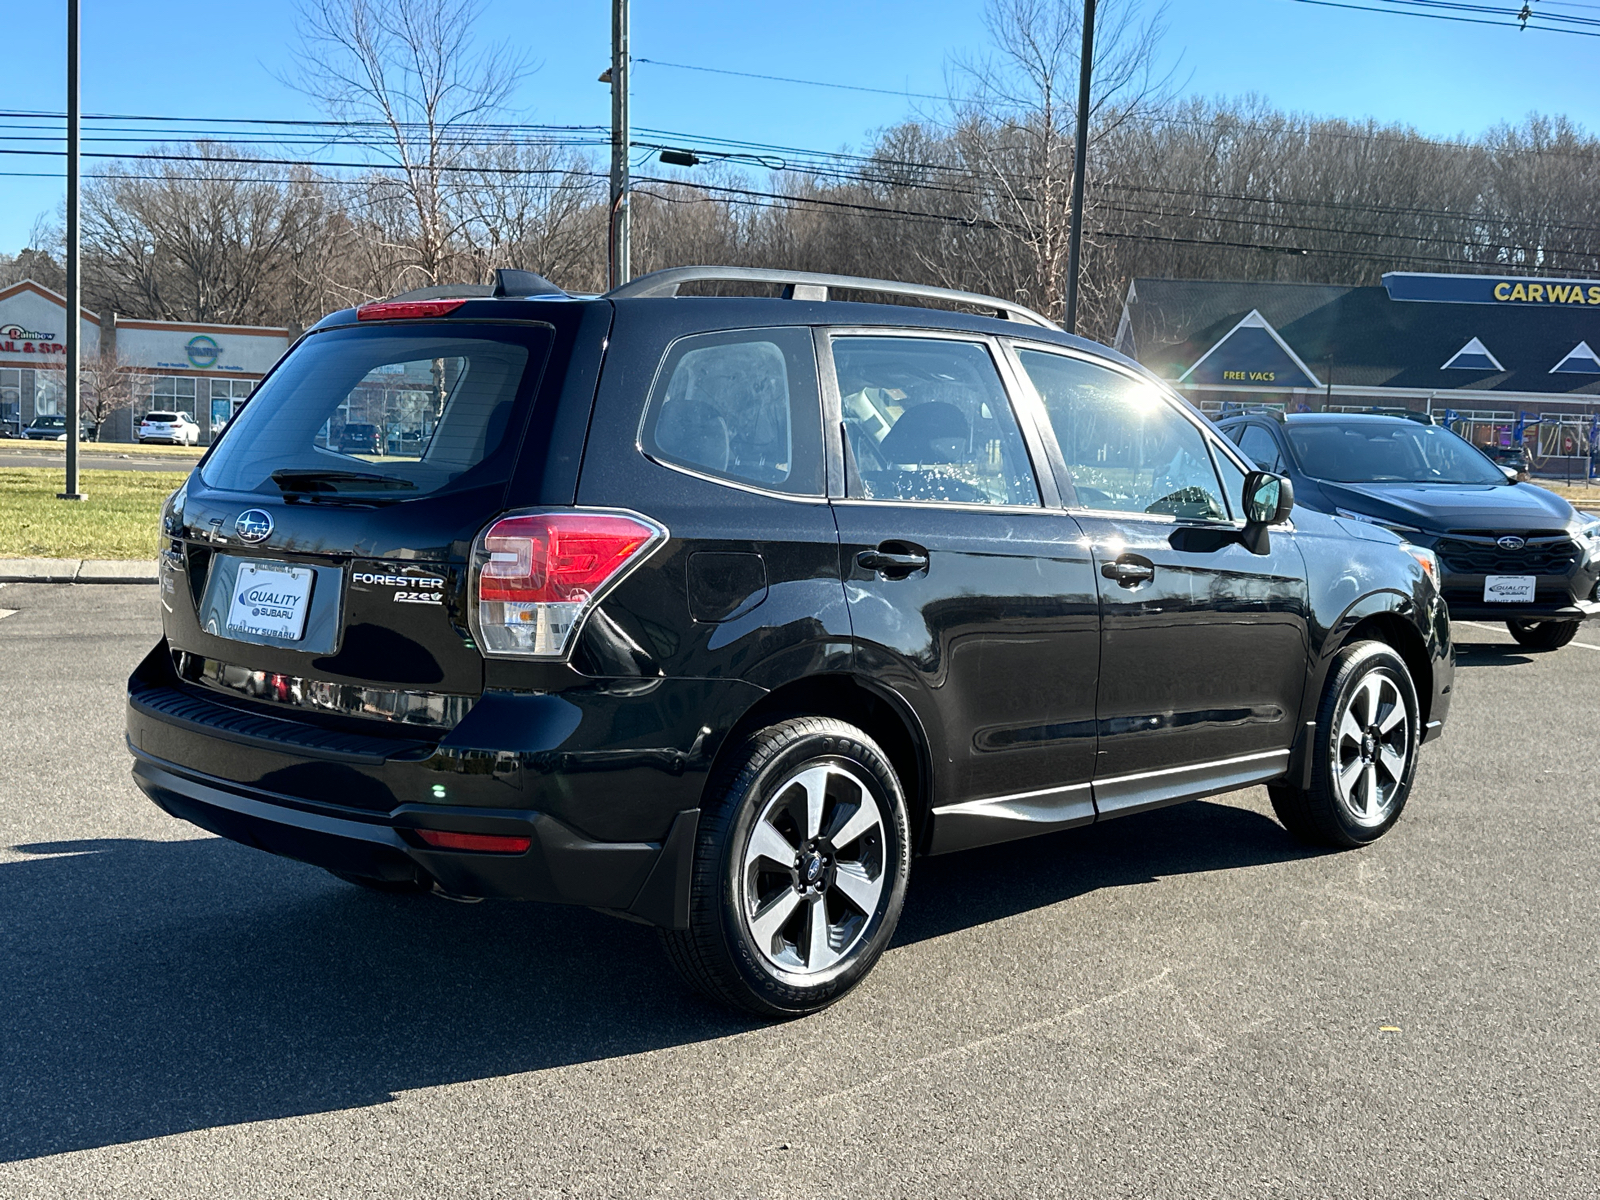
327, 573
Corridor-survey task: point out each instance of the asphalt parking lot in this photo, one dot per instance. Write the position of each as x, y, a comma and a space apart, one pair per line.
1183, 1003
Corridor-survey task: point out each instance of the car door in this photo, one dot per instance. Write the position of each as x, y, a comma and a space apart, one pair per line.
1203, 648
971, 593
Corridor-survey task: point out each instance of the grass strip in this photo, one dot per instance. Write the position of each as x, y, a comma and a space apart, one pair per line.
120, 519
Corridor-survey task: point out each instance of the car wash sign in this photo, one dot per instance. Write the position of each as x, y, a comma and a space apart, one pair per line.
18, 339
1505, 290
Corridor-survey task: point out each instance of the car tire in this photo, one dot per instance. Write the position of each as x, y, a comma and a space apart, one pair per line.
1543, 635
801, 861
1364, 753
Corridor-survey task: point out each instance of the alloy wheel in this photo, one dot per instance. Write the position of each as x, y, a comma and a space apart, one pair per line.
813, 869
1372, 748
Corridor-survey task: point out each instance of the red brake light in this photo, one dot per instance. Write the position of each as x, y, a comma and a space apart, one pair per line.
406, 310
539, 574
493, 843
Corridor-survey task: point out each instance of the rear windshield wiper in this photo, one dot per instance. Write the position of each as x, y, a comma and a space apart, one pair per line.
301, 482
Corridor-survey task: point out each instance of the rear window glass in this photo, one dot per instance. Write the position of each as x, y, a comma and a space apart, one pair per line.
390, 412
169, 417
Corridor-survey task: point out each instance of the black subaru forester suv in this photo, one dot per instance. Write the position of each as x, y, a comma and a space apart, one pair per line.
714, 611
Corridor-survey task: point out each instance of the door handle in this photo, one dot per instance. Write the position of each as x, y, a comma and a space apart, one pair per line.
897, 563
1130, 572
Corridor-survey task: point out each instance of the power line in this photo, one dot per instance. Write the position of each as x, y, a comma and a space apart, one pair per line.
1436, 16
846, 87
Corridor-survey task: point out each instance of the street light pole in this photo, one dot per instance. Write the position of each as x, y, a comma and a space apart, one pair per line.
74, 277
1079, 154
620, 137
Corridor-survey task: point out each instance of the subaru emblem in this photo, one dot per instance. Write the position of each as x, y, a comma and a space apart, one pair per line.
1511, 542
253, 526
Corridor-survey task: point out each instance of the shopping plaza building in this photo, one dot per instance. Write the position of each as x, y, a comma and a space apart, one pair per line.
203, 370
1498, 356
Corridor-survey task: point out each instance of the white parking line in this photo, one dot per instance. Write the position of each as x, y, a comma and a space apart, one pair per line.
1497, 629
7, 612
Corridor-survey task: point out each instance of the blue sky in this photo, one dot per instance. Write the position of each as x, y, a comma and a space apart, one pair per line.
184, 57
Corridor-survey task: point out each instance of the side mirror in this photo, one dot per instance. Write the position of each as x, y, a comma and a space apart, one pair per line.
1511, 473
1268, 499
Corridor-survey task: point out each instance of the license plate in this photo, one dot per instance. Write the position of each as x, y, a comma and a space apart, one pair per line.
1509, 589
271, 600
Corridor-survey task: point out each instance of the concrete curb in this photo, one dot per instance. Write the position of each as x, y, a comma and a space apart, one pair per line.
76, 570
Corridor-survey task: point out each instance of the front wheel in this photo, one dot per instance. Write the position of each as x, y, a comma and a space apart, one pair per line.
1543, 635
800, 869
1364, 754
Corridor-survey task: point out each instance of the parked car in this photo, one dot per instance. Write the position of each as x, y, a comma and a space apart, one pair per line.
1509, 551
361, 439
713, 612
177, 428
52, 427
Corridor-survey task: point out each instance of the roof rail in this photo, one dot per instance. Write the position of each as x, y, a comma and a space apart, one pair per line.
507, 282
1236, 408
809, 285
1410, 414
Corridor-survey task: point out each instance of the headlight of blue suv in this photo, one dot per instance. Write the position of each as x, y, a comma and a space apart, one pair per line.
1394, 526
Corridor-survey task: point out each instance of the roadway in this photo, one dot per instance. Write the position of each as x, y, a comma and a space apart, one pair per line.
1178, 1004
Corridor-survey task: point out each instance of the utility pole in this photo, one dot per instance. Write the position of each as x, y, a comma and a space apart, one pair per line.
1079, 155
74, 278
620, 137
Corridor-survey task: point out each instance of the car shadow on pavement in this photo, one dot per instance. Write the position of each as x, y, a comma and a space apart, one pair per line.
1490, 654
151, 988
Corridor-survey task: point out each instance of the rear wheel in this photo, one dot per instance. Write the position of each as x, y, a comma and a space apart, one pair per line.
1543, 635
1364, 754
800, 870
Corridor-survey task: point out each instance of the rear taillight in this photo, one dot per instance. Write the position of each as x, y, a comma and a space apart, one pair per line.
536, 576
406, 310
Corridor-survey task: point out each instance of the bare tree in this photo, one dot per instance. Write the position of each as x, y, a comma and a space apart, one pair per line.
410, 72
1015, 130
210, 239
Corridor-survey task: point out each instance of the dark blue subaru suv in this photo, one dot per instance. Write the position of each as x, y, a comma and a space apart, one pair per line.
714, 611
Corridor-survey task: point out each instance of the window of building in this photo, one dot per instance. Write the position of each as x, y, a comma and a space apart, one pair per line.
742, 406
49, 392
10, 397
927, 419
1128, 449
226, 396
167, 393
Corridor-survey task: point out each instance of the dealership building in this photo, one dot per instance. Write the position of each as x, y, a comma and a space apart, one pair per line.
203, 370
1496, 355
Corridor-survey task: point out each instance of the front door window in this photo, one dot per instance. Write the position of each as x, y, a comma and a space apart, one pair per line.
1127, 448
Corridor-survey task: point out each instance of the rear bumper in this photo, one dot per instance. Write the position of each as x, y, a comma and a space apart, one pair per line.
611, 817
647, 880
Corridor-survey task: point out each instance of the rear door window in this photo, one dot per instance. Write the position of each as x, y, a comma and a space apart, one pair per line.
391, 412
928, 419
741, 406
